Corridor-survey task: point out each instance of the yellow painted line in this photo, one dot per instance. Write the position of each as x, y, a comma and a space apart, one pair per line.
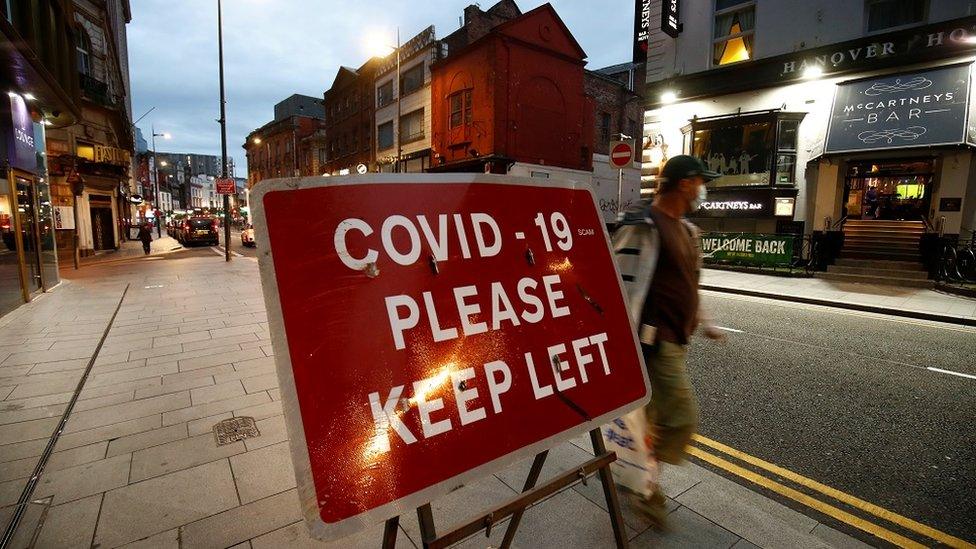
844, 497
830, 510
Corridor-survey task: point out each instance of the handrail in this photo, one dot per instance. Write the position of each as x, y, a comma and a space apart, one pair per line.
838, 223
929, 228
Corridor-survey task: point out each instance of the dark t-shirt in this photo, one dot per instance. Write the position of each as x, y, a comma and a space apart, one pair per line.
672, 301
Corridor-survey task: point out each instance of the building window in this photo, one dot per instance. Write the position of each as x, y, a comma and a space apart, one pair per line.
735, 24
384, 94
786, 135
460, 104
755, 150
412, 79
889, 14
412, 126
384, 136
605, 127
83, 51
633, 130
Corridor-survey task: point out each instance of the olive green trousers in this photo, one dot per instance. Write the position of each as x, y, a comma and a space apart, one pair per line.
673, 409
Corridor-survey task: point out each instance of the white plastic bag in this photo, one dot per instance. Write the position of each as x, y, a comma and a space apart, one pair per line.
630, 438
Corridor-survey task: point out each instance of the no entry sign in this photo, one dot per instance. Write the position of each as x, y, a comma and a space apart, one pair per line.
432, 329
621, 154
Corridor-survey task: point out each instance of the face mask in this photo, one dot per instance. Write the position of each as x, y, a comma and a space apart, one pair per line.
697, 201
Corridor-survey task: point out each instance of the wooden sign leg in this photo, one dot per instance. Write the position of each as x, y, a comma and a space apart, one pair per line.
426, 519
540, 460
390, 533
610, 491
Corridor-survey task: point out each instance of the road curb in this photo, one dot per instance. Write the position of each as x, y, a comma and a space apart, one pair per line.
920, 315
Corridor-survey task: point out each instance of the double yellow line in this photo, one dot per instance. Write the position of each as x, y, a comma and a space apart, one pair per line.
816, 504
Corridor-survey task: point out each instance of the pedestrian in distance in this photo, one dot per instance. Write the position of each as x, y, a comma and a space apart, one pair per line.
145, 235
659, 255
871, 200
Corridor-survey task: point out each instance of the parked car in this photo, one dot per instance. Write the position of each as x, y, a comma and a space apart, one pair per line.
199, 230
247, 236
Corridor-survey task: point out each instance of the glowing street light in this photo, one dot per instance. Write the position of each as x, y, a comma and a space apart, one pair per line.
379, 48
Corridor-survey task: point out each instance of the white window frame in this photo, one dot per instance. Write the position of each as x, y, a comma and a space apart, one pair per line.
867, 12
738, 7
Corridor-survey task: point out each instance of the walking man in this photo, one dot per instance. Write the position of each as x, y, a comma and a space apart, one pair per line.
145, 235
659, 256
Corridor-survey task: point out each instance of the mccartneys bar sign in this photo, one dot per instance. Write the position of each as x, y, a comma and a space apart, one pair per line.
907, 110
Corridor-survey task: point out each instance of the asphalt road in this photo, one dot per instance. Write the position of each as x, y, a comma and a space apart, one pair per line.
847, 399
195, 250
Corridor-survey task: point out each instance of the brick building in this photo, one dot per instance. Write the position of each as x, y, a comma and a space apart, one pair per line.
349, 119
512, 100
618, 111
403, 107
282, 148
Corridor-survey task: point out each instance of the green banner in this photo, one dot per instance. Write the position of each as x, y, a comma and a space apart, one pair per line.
747, 249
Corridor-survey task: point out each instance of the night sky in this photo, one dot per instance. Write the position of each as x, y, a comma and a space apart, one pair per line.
274, 48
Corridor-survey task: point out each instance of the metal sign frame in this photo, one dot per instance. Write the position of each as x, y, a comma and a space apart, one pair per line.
289, 394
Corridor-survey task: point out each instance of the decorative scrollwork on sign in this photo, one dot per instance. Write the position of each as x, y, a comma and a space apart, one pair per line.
910, 133
917, 83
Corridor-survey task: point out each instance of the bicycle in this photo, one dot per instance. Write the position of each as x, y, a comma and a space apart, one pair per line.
948, 264
966, 261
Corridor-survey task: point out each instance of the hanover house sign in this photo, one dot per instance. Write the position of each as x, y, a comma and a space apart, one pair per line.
915, 109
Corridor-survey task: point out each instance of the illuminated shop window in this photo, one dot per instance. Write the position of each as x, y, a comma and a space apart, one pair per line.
735, 23
748, 150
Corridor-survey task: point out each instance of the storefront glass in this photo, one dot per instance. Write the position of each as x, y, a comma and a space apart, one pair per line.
11, 294
27, 215
889, 190
740, 152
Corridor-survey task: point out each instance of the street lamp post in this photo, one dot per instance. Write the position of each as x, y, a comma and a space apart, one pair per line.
223, 131
164, 135
399, 84
374, 46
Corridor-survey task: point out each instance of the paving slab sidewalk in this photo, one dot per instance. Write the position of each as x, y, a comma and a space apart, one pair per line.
138, 465
913, 302
132, 249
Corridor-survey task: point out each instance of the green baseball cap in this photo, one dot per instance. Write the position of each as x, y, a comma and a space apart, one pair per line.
683, 165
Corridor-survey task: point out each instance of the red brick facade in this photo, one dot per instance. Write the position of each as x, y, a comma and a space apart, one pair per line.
349, 111
279, 149
515, 94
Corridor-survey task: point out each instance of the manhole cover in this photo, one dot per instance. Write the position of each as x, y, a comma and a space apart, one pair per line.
231, 430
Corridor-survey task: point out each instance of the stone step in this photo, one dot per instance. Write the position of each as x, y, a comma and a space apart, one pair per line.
893, 248
880, 264
880, 273
886, 255
873, 279
882, 223
884, 241
884, 233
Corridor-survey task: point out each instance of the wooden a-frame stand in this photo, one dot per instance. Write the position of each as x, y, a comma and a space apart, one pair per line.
516, 506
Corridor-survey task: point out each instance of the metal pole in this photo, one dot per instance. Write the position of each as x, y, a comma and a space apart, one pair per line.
223, 132
74, 209
159, 230
620, 190
399, 96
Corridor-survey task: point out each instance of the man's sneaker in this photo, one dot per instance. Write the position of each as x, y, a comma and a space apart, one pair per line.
653, 509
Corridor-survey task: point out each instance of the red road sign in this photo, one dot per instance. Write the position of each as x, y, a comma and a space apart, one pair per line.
621, 154
432, 329
225, 185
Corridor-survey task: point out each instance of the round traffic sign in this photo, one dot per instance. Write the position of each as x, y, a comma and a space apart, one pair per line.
621, 154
